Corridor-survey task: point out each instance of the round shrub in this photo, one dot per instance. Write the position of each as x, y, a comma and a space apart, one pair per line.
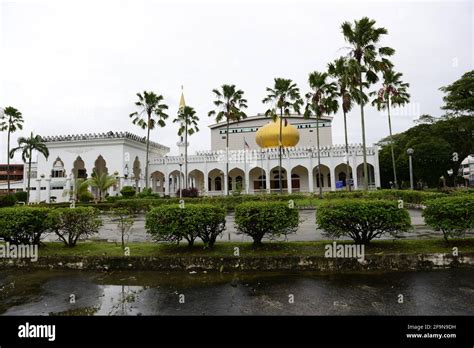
128, 191
172, 223
451, 215
361, 219
8, 201
23, 225
21, 196
86, 197
266, 219
71, 225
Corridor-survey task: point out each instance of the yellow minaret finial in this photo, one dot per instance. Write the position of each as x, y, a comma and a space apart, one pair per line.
182, 103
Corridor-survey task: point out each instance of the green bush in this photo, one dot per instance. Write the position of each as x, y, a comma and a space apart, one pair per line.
147, 193
21, 196
452, 215
23, 225
408, 196
128, 191
361, 219
266, 219
86, 197
71, 225
8, 201
173, 223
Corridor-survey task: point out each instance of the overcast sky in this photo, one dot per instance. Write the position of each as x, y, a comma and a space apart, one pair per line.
75, 66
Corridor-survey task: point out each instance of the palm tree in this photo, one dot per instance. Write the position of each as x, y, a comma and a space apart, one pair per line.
344, 71
393, 93
10, 120
101, 181
363, 37
151, 106
188, 120
320, 101
81, 186
229, 106
283, 97
27, 146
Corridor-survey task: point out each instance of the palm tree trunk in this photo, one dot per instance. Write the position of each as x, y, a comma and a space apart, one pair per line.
185, 156
319, 159
348, 178
8, 162
29, 179
147, 150
226, 183
364, 148
280, 146
395, 182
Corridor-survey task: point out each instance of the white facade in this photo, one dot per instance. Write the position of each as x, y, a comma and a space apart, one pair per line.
257, 171
76, 156
250, 171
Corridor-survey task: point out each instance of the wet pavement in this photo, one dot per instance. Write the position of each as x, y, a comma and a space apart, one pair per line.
306, 232
443, 292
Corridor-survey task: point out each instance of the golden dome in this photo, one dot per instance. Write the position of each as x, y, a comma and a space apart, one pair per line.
268, 135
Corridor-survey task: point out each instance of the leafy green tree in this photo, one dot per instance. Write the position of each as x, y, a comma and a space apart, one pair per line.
80, 189
229, 107
283, 98
102, 182
320, 101
26, 146
459, 97
344, 71
151, 114
392, 93
11, 120
124, 218
363, 38
188, 126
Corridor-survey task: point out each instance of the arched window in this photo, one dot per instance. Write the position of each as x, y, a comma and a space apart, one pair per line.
79, 170
58, 169
209, 184
218, 183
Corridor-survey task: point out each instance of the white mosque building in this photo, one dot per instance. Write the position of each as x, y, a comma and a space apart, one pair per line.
253, 161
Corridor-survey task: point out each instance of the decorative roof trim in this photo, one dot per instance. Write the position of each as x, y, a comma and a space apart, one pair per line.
102, 136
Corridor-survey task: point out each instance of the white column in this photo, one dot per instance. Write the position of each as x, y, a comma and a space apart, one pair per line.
376, 166
38, 190
247, 181
288, 182
226, 183
167, 184
310, 180
206, 182
48, 190
67, 187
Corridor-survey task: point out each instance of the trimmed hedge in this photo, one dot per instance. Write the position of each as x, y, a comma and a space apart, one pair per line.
173, 223
24, 225
361, 219
451, 215
408, 196
266, 219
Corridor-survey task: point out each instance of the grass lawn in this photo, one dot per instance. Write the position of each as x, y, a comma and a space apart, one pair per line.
222, 249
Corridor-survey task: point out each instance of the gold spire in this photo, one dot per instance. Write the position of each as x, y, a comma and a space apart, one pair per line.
182, 103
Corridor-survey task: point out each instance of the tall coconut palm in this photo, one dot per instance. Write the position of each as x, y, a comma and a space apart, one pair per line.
284, 97
344, 71
102, 182
229, 107
392, 93
188, 126
363, 37
27, 146
151, 114
320, 101
10, 120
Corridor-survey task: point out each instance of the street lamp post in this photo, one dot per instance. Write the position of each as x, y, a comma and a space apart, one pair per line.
410, 154
179, 182
450, 173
